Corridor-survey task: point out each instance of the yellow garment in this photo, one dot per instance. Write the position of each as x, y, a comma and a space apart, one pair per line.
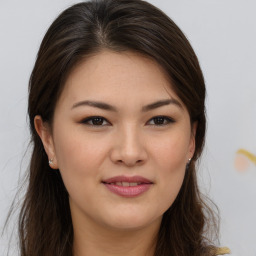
222, 251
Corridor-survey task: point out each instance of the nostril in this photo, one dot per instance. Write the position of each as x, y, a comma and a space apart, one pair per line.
130, 162
128, 155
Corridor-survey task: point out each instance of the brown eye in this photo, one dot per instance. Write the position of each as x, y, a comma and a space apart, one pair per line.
160, 120
95, 121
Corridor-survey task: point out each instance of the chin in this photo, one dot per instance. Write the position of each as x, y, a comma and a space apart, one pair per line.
132, 221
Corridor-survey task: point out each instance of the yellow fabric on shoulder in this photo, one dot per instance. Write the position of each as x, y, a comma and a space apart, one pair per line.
222, 251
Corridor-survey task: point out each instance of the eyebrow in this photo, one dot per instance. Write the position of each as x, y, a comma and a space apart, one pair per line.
96, 104
105, 106
161, 103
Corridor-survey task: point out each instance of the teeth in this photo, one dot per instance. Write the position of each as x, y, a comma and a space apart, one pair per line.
126, 184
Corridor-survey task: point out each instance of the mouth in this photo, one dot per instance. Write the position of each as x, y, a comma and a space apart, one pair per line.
125, 184
128, 186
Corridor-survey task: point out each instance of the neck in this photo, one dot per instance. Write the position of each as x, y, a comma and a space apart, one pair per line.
104, 241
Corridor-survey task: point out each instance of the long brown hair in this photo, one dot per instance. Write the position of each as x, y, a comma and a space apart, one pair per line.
45, 225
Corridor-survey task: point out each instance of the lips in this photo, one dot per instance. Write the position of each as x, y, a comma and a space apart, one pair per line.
128, 186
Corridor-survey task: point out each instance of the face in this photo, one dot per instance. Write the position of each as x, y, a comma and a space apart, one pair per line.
121, 139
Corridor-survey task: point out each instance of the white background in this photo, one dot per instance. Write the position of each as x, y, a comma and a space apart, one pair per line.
223, 34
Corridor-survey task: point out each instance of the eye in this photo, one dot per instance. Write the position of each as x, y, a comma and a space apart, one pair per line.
95, 121
160, 121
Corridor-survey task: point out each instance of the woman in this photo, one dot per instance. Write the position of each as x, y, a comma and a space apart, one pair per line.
117, 117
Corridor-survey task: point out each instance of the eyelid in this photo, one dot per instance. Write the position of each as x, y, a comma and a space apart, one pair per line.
91, 118
169, 120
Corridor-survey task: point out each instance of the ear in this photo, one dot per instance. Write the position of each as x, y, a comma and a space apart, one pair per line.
192, 144
44, 131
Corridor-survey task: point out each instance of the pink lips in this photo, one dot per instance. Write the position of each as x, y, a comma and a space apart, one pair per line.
128, 186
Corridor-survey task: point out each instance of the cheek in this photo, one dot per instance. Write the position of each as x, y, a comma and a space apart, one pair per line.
80, 160
170, 158
78, 154
171, 152
172, 164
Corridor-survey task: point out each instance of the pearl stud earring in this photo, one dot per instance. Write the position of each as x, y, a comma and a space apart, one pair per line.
188, 163
50, 161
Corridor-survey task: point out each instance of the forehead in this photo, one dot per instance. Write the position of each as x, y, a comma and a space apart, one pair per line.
121, 78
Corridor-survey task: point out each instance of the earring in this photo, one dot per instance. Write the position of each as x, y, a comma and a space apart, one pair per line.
50, 161
188, 163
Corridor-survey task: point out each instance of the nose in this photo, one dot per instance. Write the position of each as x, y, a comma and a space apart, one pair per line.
129, 148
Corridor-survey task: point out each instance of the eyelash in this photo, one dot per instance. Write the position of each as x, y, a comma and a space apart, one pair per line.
166, 120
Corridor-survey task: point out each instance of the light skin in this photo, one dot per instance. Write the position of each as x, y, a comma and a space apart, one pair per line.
142, 128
